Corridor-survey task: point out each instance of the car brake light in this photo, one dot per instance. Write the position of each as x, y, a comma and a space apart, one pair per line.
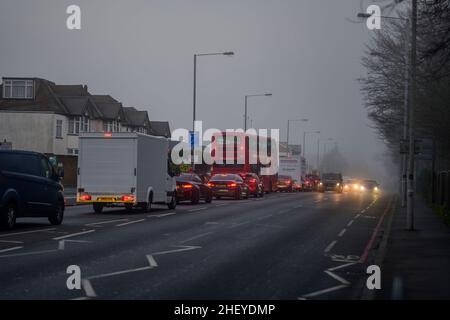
187, 186
232, 185
85, 197
210, 184
128, 198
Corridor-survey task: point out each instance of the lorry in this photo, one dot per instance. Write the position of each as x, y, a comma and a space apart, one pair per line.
124, 169
292, 166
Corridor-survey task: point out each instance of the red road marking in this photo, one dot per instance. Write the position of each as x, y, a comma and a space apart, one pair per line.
374, 234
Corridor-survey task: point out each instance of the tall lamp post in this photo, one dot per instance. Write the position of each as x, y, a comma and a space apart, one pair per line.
246, 103
288, 130
304, 140
328, 140
194, 104
406, 101
411, 80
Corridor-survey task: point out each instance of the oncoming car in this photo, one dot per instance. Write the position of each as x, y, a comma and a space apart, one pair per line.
369, 185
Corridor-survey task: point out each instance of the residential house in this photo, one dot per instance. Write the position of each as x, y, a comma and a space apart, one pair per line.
39, 115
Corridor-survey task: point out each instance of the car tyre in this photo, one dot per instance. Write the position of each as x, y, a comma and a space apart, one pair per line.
8, 216
57, 217
173, 202
98, 207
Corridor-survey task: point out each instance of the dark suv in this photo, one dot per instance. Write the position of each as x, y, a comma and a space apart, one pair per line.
29, 187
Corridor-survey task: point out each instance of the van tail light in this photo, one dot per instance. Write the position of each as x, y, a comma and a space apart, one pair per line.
128, 198
85, 197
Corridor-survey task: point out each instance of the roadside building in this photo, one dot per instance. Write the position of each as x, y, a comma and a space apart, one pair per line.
39, 115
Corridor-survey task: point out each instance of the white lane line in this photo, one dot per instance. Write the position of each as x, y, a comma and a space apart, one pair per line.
196, 237
264, 217
27, 253
299, 206
357, 216
342, 266
161, 215
363, 211
182, 248
88, 289
94, 224
131, 222
61, 244
198, 209
25, 232
73, 235
318, 293
221, 205
211, 223
239, 224
350, 223
9, 241
10, 249
152, 262
330, 246
342, 232
336, 277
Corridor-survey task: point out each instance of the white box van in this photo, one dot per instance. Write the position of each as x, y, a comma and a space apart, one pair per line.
122, 168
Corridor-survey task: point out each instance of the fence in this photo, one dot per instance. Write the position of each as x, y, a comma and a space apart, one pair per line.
442, 189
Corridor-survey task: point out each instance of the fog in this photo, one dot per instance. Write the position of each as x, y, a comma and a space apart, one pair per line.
305, 52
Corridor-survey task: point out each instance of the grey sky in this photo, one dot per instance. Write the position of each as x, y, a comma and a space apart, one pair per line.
305, 52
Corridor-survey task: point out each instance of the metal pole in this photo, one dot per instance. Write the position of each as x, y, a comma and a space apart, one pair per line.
195, 92
194, 112
405, 122
287, 138
304, 145
410, 199
245, 114
318, 154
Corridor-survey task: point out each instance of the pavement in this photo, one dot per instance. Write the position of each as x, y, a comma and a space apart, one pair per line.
416, 264
307, 246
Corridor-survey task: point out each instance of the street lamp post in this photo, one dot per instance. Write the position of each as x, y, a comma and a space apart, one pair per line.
288, 129
304, 141
194, 103
408, 164
318, 149
246, 103
228, 53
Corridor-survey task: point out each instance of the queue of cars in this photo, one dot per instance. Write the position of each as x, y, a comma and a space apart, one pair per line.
132, 171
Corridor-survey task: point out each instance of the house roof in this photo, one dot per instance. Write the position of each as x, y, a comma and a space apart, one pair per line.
45, 100
74, 100
136, 118
160, 128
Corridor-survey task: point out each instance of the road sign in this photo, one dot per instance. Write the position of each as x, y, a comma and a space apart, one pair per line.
194, 139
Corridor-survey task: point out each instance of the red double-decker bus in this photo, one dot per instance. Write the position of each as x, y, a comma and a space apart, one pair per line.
241, 153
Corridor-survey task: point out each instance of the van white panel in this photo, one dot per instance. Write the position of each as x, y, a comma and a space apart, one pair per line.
107, 165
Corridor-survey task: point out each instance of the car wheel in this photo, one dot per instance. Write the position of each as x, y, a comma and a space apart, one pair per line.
8, 216
147, 206
173, 203
208, 198
238, 195
195, 198
98, 207
57, 217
